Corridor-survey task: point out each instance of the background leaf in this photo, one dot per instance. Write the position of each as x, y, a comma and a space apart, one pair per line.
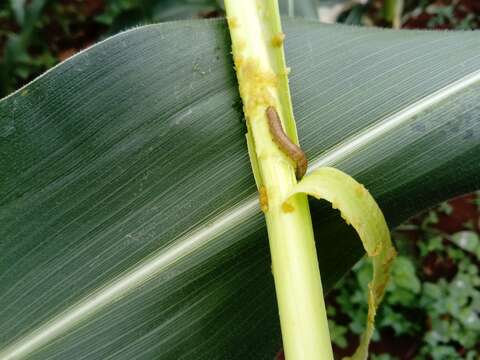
129, 221
18, 7
299, 8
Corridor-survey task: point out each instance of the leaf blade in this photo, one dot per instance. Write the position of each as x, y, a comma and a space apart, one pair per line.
78, 177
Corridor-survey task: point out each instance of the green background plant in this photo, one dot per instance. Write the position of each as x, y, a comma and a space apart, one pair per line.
441, 312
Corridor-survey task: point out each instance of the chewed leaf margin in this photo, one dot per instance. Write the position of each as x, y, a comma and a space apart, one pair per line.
358, 208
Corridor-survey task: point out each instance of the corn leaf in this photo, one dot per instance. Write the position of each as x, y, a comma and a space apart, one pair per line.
129, 223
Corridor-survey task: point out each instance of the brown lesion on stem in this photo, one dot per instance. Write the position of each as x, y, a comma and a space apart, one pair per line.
263, 198
277, 39
287, 207
256, 86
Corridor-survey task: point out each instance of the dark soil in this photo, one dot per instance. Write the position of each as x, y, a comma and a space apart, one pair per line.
71, 26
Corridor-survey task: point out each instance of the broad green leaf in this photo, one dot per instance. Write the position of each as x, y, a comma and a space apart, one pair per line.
129, 223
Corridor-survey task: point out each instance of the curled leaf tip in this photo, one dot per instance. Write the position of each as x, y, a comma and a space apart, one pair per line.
358, 208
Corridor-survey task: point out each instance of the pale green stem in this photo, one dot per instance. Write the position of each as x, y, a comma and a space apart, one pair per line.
392, 10
258, 55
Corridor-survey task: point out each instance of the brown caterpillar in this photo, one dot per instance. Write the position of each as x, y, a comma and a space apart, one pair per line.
285, 144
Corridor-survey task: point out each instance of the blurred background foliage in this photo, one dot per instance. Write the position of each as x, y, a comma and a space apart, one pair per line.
37, 34
432, 306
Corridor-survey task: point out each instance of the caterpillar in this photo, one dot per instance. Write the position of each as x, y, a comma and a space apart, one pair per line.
285, 144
